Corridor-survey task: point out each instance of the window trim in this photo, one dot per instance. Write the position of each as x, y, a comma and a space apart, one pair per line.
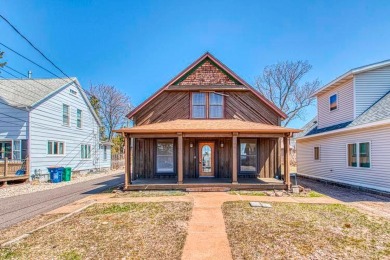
337, 101
319, 153
207, 105
68, 124
174, 172
239, 157
52, 154
90, 152
358, 155
81, 118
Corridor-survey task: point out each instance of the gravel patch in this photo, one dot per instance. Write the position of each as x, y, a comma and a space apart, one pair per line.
27, 188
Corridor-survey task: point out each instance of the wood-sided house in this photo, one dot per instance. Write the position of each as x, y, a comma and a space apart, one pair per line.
206, 125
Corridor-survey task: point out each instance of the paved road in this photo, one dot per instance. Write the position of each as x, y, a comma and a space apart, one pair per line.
23, 207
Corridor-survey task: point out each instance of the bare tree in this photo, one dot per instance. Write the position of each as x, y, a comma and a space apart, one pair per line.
2, 64
111, 105
282, 84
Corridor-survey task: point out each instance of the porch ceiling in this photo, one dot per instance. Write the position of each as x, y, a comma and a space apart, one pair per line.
208, 126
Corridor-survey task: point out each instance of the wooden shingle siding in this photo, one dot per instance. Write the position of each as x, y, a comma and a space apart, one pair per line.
247, 107
370, 86
207, 74
345, 106
333, 158
166, 107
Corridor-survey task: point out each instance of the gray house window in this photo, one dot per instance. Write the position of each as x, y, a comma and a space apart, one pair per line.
65, 115
79, 118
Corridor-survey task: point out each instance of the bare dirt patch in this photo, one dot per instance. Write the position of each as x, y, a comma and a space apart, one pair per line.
111, 231
150, 193
304, 231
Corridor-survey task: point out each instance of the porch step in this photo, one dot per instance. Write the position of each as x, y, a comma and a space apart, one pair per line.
208, 189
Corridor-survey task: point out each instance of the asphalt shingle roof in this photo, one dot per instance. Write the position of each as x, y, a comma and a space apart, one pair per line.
27, 92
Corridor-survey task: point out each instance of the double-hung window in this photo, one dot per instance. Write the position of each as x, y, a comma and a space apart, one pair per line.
17, 151
55, 148
5, 150
359, 155
316, 153
165, 160
248, 155
207, 105
199, 105
65, 115
85, 151
79, 118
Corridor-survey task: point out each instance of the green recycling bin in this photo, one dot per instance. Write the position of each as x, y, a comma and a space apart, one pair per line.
67, 174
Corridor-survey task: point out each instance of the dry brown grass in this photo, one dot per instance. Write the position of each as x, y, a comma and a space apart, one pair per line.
111, 231
304, 231
26, 226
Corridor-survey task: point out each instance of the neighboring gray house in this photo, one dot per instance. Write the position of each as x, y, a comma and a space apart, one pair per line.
348, 141
52, 122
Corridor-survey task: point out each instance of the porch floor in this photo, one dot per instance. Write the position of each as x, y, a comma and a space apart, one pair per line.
243, 184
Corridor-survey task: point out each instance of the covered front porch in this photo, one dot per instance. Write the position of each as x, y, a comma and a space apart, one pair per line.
206, 153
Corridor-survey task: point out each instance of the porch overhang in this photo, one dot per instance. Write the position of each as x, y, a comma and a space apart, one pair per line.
210, 126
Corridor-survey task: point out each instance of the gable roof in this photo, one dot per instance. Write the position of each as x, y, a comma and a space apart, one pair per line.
349, 75
229, 72
377, 113
36, 91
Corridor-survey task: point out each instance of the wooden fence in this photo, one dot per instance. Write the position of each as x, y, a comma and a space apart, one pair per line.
117, 161
9, 168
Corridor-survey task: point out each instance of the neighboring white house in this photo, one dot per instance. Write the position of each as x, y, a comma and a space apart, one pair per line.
52, 122
349, 140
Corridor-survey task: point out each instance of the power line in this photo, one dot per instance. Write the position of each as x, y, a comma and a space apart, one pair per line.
32, 45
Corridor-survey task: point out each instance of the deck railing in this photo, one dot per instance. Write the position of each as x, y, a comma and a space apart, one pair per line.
10, 168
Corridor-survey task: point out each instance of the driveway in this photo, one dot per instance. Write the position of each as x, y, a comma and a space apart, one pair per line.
23, 207
370, 203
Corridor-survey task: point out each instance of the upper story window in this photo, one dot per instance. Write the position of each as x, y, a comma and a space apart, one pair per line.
333, 102
65, 115
207, 105
215, 105
79, 117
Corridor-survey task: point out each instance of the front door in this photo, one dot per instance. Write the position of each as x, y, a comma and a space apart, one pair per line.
206, 159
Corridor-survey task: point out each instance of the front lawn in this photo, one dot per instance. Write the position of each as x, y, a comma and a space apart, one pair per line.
153, 230
304, 231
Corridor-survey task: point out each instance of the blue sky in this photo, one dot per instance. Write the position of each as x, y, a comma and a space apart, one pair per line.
140, 45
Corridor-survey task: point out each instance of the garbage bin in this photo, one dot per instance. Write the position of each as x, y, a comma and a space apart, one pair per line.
55, 174
67, 175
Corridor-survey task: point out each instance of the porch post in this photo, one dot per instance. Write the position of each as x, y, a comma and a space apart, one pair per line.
132, 153
180, 158
286, 144
235, 163
127, 161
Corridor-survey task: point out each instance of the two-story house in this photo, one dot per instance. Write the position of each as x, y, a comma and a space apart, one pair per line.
206, 125
348, 140
52, 122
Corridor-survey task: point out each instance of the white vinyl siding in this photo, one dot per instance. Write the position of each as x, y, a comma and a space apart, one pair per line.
345, 106
46, 124
334, 161
370, 86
